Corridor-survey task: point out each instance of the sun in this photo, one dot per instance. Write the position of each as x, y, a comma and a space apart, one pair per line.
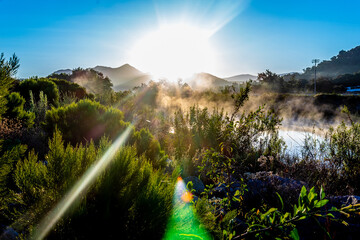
174, 51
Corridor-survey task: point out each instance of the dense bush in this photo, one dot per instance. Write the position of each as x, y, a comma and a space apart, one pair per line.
146, 144
85, 120
15, 109
130, 199
48, 87
344, 146
69, 88
7, 70
8, 161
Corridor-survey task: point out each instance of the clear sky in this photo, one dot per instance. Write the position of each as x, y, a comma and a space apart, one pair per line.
248, 36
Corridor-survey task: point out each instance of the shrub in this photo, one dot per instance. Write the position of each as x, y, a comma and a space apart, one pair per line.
31, 178
344, 146
85, 120
15, 109
69, 88
48, 87
7, 70
146, 144
8, 161
130, 199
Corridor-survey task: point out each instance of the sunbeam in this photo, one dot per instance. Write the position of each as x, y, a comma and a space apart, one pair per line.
80, 187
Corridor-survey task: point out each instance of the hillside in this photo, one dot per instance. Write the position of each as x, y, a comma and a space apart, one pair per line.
346, 62
124, 77
63, 71
241, 78
206, 80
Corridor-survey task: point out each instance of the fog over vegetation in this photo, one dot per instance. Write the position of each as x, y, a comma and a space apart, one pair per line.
110, 153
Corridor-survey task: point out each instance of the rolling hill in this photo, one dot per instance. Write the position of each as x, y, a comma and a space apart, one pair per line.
206, 80
241, 78
124, 77
346, 62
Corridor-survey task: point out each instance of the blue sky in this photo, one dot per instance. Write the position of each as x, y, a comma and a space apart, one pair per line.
251, 36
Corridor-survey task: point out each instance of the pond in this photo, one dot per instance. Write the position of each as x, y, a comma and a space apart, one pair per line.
295, 140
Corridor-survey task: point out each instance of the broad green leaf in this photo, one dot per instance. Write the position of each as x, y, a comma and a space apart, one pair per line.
294, 234
303, 192
281, 201
322, 193
321, 203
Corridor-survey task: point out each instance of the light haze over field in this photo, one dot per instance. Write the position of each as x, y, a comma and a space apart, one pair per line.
224, 38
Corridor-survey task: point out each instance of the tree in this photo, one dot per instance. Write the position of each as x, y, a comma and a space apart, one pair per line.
95, 82
272, 81
15, 109
69, 88
7, 70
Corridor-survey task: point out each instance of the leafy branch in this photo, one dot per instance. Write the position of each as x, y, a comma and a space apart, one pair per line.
281, 223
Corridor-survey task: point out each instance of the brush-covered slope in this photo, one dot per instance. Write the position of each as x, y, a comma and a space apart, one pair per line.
206, 80
124, 77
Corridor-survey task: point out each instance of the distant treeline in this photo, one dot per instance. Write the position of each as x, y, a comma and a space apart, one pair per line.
270, 81
346, 62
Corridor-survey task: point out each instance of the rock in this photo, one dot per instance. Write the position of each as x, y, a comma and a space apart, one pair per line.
198, 185
9, 234
342, 201
219, 191
263, 185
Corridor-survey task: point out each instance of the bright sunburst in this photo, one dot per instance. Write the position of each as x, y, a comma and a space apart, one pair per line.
174, 51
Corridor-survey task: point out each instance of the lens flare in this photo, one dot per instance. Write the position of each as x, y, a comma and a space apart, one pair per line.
186, 197
183, 223
79, 189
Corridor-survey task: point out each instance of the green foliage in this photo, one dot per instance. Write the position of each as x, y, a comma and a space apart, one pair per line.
33, 186
146, 144
245, 134
344, 147
8, 161
344, 62
31, 178
129, 194
85, 120
47, 86
7, 70
69, 88
40, 107
15, 109
220, 170
240, 98
271, 81
130, 199
94, 82
274, 222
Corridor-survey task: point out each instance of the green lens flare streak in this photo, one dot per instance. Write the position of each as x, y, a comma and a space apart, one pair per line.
183, 224
80, 187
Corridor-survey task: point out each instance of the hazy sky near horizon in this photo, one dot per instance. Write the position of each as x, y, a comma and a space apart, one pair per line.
249, 36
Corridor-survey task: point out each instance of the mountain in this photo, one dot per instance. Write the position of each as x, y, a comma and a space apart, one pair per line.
63, 71
346, 62
241, 78
206, 80
124, 77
